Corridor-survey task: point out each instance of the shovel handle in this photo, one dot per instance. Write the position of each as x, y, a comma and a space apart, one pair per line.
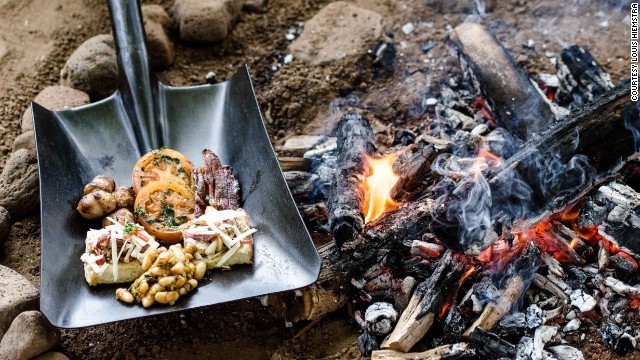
136, 81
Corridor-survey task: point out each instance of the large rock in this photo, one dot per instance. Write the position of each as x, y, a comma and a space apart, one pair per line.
255, 6
30, 335
19, 187
25, 140
92, 68
55, 98
206, 21
338, 30
159, 29
16, 295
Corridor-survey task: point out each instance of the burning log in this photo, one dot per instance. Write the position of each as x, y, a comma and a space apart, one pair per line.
517, 104
454, 351
356, 142
425, 304
555, 169
414, 174
490, 345
582, 79
615, 209
520, 273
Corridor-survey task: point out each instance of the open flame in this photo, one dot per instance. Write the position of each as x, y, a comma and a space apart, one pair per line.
377, 187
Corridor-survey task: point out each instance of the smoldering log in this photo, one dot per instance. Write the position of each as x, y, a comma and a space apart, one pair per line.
589, 146
414, 175
518, 106
582, 79
453, 351
519, 275
355, 140
615, 210
491, 345
425, 304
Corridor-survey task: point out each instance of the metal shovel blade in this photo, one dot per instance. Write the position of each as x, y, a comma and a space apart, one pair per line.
109, 136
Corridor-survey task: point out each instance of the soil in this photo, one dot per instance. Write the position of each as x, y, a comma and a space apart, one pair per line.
36, 38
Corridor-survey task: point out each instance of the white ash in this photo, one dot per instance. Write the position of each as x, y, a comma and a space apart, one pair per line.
524, 349
380, 317
565, 352
533, 316
542, 335
572, 325
559, 283
620, 287
582, 300
550, 80
481, 129
554, 265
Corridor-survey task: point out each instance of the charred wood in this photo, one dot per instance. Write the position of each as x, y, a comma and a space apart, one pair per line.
518, 106
414, 175
582, 79
454, 351
519, 272
490, 345
356, 142
294, 163
425, 304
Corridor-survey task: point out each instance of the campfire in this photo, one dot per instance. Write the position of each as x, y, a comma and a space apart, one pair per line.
493, 229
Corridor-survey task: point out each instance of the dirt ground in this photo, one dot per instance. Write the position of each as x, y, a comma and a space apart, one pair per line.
36, 38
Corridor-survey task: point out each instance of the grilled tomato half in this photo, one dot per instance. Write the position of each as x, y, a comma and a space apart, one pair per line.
162, 165
161, 207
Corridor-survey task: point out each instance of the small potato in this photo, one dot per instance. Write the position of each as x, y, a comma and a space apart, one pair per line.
124, 197
124, 295
120, 214
100, 182
96, 204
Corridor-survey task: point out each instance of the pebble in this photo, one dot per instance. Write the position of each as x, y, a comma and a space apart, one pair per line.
408, 28
51, 355
339, 30
16, 295
55, 98
26, 141
206, 21
431, 102
30, 335
159, 29
255, 6
572, 325
19, 187
92, 68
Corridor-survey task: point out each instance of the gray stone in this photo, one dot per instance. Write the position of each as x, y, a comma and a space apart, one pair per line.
159, 28
92, 68
25, 140
16, 295
30, 335
51, 355
55, 98
19, 187
5, 225
206, 21
255, 6
338, 30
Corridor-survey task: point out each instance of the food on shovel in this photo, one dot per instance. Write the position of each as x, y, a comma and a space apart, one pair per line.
114, 254
175, 204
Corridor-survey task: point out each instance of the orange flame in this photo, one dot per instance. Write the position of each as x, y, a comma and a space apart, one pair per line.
378, 186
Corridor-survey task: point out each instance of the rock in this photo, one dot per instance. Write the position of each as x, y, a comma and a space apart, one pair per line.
26, 141
92, 68
255, 6
30, 334
572, 325
19, 187
206, 21
16, 295
51, 355
5, 225
55, 98
3, 49
338, 30
159, 28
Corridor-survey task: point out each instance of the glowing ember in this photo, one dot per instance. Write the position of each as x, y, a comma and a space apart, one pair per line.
378, 186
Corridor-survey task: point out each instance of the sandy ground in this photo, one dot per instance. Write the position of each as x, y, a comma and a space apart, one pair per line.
36, 38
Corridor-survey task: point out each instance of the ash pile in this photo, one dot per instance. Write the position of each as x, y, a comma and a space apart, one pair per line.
502, 223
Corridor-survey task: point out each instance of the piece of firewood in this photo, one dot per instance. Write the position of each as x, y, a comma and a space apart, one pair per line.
356, 142
294, 163
414, 174
425, 304
519, 274
582, 79
458, 350
518, 106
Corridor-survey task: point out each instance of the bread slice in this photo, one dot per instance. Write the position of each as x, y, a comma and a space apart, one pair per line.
244, 255
127, 272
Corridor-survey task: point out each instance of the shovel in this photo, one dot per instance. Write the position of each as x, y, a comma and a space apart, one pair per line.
109, 136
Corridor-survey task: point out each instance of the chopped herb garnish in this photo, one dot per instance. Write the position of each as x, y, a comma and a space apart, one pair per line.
168, 214
139, 212
130, 227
